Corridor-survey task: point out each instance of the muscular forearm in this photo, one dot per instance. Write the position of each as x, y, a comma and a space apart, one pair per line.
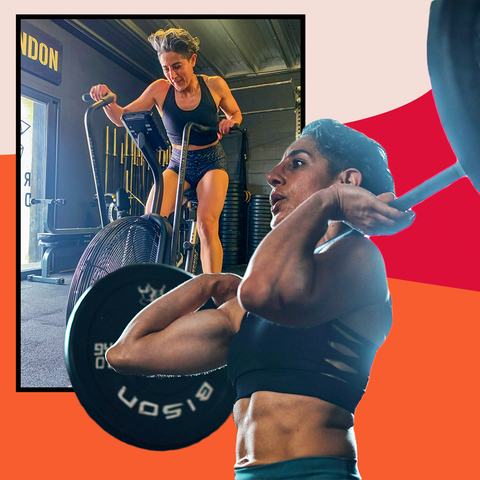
114, 112
184, 299
281, 271
237, 117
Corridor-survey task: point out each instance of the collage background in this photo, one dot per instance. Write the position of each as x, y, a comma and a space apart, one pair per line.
366, 66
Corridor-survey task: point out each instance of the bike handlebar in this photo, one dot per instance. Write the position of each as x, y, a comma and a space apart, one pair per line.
108, 98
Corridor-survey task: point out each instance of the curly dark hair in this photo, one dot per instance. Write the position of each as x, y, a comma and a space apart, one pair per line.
343, 148
175, 40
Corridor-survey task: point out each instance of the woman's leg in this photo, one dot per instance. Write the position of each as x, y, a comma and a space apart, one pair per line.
170, 184
211, 193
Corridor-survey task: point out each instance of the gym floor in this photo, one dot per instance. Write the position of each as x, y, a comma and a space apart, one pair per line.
42, 329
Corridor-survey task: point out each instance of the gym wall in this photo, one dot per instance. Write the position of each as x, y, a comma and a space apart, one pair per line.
82, 68
269, 133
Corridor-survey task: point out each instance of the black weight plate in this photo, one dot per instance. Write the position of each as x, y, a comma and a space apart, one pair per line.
240, 204
259, 227
237, 195
233, 233
233, 216
256, 238
265, 225
226, 214
226, 239
233, 248
155, 413
238, 235
235, 204
234, 259
232, 228
258, 224
259, 206
231, 219
236, 209
232, 238
233, 245
258, 211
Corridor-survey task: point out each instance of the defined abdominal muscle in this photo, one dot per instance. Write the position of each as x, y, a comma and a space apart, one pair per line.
273, 427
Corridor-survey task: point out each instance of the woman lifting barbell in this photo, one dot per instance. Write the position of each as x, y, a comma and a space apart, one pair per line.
297, 388
185, 97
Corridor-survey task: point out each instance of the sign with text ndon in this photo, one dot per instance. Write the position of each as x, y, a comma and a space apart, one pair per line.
41, 54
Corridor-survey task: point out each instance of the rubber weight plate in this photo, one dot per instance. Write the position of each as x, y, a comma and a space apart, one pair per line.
155, 413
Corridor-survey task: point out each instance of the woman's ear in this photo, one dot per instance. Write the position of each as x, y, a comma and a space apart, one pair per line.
193, 59
351, 176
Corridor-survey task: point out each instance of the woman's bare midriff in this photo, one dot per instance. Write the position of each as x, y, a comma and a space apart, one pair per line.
196, 147
274, 427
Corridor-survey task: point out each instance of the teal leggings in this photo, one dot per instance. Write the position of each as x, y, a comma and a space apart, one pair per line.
309, 468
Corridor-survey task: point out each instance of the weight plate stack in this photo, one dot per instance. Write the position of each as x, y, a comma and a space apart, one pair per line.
155, 413
259, 218
233, 224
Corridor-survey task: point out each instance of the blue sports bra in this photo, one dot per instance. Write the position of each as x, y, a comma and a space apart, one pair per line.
175, 119
327, 361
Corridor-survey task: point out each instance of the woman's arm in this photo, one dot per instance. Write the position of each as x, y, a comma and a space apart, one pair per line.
287, 283
146, 101
170, 337
227, 103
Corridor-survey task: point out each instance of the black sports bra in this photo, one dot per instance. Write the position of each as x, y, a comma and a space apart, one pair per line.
327, 361
175, 119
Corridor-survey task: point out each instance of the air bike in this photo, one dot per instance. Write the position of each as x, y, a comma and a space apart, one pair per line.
148, 238
168, 413
132, 261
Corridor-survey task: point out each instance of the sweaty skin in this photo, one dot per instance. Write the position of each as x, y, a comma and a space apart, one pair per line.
288, 284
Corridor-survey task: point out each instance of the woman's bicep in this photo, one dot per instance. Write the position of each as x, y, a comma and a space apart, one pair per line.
227, 103
195, 343
349, 276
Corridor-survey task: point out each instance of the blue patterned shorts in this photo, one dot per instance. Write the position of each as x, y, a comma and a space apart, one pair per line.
199, 162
